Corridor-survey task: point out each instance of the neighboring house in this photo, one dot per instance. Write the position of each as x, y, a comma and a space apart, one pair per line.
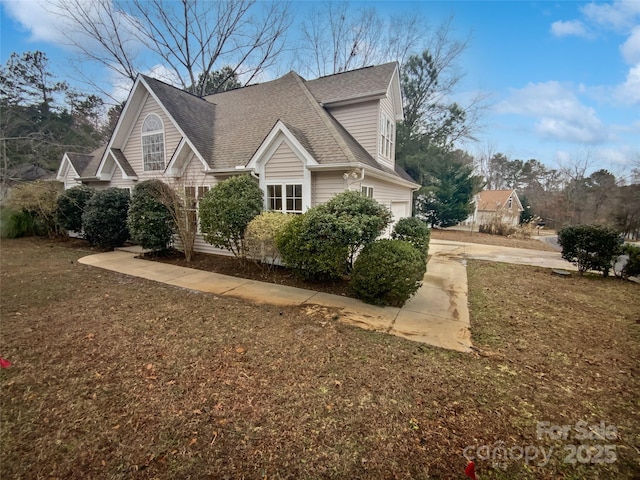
303, 140
23, 174
492, 205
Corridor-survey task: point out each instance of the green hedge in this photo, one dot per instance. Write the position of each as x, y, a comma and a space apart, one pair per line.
632, 268
71, 205
226, 210
388, 272
414, 231
149, 221
323, 243
590, 247
104, 220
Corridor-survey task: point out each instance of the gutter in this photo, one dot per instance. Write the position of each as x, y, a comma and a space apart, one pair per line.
348, 101
228, 171
370, 171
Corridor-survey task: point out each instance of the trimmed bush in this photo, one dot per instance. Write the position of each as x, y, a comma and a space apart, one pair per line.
311, 245
590, 247
150, 222
71, 204
632, 268
388, 272
261, 235
323, 243
227, 209
414, 231
104, 220
38, 201
358, 219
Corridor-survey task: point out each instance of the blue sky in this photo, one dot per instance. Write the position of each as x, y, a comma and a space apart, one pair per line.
563, 78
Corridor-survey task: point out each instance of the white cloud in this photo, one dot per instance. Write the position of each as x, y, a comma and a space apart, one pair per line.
619, 15
616, 156
37, 19
631, 47
629, 91
558, 112
569, 28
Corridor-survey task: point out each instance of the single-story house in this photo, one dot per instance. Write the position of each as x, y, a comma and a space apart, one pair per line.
492, 205
23, 174
303, 140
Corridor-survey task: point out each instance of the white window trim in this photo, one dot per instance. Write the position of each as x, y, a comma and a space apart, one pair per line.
283, 184
154, 132
198, 197
366, 190
387, 138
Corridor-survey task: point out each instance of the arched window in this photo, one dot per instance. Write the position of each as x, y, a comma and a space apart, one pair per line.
153, 143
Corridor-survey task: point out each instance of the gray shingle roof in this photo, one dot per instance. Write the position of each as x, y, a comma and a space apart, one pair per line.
228, 128
86, 164
244, 117
124, 163
353, 84
193, 114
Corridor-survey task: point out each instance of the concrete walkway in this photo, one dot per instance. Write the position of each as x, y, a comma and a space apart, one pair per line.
437, 314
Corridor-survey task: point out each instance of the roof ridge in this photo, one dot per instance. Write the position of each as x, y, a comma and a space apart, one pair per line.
249, 86
323, 114
349, 71
147, 77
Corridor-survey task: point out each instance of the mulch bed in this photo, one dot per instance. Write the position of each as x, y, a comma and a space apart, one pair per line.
227, 265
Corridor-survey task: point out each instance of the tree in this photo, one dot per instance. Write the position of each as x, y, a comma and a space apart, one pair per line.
149, 221
218, 81
189, 38
448, 188
40, 117
227, 209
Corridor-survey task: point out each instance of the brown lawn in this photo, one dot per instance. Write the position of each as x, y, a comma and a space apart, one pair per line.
118, 377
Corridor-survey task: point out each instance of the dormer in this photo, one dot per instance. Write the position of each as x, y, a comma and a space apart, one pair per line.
368, 103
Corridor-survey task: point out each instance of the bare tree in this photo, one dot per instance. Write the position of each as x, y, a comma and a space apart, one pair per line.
189, 38
337, 38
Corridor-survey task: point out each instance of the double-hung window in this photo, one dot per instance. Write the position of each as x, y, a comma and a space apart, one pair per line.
285, 197
387, 136
193, 195
367, 191
153, 143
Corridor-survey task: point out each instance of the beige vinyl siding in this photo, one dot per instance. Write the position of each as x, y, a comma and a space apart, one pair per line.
386, 106
361, 121
133, 147
97, 185
385, 192
118, 182
325, 185
69, 179
284, 164
194, 175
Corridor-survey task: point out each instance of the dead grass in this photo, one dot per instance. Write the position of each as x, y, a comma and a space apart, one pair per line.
486, 239
117, 377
